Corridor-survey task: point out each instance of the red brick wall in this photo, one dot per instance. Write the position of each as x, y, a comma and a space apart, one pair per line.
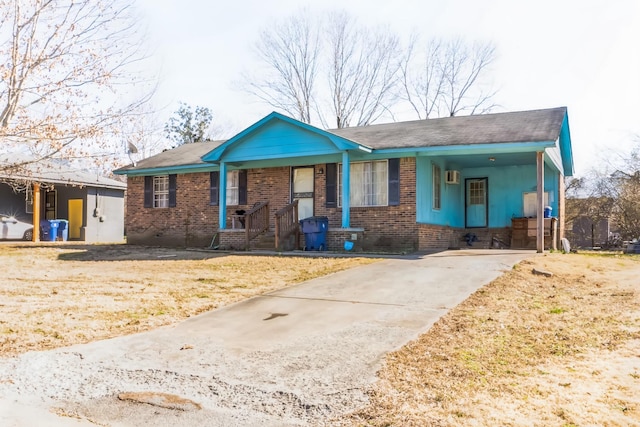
386, 227
194, 222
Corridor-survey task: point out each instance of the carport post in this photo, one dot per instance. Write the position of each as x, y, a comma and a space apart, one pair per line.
222, 191
36, 211
346, 190
540, 202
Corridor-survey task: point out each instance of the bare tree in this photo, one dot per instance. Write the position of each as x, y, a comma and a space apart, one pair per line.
363, 71
445, 78
291, 50
358, 66
422, 78
70, 77
625, 185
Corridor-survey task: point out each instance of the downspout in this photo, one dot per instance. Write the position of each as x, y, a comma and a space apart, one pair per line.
346, 190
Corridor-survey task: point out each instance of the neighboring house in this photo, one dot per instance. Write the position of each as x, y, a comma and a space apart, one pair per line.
417, 185
93, 205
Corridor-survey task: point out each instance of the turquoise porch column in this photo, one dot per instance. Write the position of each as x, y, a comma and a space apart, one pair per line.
346, 190
222, 191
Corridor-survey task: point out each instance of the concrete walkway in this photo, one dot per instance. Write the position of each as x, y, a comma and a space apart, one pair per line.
297, 356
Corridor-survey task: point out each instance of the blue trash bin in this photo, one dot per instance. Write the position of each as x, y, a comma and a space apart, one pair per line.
63, 229
53, 229
315, 233
547, 211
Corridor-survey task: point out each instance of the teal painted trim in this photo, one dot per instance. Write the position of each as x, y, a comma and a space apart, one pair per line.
553, 157
286, 162
222, 191
346, 190
565, 147
167, 170
341, 143
508, 147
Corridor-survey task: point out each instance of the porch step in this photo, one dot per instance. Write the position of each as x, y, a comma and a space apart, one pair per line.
266, 241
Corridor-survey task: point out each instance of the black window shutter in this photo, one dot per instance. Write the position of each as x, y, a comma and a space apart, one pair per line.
214, 180
394, 182
148, 191
242, 187
172, 190
331, 185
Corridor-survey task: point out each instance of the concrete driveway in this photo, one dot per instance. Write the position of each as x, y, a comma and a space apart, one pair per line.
298, 356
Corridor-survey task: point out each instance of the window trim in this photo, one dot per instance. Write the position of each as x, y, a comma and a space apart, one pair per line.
436, 187
339, 183
235, 190
164, 192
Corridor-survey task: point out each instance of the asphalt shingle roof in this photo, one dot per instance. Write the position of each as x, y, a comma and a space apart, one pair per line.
522, 126
183, 155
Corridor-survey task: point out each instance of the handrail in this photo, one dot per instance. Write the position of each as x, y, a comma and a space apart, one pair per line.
256, 222
286, 222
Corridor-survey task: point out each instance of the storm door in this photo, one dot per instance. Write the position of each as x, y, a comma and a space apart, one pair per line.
302, 190
476, 202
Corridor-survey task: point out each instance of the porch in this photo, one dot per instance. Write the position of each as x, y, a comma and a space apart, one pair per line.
254, 230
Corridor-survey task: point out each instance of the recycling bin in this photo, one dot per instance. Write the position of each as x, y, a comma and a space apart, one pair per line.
63, 229
53, 229
315, 232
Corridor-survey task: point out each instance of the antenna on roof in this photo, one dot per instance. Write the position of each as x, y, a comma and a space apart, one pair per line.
132, 149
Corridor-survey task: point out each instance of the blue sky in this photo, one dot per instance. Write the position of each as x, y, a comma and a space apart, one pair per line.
581, 54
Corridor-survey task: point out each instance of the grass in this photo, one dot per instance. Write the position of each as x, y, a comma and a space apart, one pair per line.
53, 296
523, 351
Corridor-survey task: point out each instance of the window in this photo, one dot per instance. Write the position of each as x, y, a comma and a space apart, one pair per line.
436, 175
28, 202
369, 183
236, 187
530, 203
233, 186
476, 192
161, 191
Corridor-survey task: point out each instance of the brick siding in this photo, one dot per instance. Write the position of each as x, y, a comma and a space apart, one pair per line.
194, 222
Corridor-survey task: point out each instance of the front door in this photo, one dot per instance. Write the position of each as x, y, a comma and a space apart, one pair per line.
75, 218
476, 202
302, 189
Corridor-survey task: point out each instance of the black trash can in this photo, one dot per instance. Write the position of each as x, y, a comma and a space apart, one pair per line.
315, 233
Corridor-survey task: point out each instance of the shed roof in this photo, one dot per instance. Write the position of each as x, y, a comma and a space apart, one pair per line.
53, 172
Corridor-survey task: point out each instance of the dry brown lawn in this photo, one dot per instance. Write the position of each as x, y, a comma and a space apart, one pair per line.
54, 296
526, 350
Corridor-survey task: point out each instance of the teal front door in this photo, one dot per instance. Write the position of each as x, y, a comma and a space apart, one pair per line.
476, 202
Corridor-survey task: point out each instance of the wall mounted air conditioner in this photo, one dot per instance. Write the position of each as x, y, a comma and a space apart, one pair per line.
452, 177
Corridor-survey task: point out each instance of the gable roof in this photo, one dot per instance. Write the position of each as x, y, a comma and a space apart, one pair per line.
339, 142
534, 129
521, 126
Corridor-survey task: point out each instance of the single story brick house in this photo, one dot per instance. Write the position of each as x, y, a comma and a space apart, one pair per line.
417, 185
